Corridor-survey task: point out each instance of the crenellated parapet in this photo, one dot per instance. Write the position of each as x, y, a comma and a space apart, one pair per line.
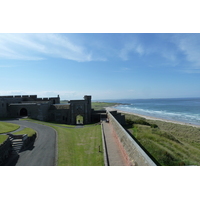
55, 100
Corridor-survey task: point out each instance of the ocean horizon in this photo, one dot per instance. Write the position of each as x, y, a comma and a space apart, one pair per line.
186, 110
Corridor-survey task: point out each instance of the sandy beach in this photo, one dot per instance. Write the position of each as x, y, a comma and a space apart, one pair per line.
151, 118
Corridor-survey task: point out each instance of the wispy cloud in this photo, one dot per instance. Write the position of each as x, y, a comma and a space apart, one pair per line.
6, 66
191, 71
132, 45
41, 46
189, 46
148, 44
67, 95
176, 49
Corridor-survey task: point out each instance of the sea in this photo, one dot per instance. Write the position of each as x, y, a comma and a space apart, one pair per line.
186, 110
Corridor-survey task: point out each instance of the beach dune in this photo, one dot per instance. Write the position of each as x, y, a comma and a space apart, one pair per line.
150, 117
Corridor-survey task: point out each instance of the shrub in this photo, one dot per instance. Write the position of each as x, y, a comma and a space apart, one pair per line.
129, 122
142, 122
154, 125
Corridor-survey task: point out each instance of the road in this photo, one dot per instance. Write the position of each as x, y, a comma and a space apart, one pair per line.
44, 151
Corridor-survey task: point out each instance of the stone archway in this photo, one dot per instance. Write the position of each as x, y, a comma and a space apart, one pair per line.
79, 119
23, 112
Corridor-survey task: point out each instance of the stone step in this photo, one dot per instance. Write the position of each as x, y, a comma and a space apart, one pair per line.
17, 145
17, 140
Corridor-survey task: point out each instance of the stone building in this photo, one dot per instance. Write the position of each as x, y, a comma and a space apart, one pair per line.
45, 109
50, 109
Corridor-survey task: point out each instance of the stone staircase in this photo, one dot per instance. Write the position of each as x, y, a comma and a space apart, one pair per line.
17, 142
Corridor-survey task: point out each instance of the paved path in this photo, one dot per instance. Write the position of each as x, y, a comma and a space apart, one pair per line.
115, 156
44, 151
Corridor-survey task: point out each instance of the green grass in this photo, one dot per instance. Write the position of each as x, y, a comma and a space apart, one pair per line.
78, 146
102, 105
7, 127
170, 143
30, 132
49, 123
3, 138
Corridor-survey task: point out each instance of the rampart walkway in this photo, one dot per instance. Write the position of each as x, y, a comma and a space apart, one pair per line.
115, 156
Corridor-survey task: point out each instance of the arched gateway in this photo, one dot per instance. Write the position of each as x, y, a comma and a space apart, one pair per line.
23, 112
49, 109
81, 108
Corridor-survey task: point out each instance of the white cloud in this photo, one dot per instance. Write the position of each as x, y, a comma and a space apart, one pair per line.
131, 46
189, 45
64, 95
40, 46
154, 45
6, 66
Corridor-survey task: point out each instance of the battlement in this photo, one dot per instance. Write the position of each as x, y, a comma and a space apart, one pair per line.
30, 98
19, 96
47, 109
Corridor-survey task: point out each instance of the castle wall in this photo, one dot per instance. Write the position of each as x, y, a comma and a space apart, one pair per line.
45, 109
81, 107
29, 98
14, 110
3, 109
136, 154
59, 115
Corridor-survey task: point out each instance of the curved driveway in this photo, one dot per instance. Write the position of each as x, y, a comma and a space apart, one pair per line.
44, 151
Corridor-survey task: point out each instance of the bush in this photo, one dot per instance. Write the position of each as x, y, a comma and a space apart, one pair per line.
129, 122
154, 125
142, 122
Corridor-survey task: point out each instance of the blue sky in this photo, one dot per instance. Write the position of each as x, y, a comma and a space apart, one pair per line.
106, 66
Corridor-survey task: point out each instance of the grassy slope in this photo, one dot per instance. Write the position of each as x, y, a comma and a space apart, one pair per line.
7, 127
169, 144
102, 105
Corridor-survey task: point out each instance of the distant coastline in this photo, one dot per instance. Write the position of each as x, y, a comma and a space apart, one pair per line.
151, 117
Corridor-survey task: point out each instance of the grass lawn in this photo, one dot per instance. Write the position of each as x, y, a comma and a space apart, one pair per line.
169, 143
48, 123
7, 127
3, 138
30, 132
78, 146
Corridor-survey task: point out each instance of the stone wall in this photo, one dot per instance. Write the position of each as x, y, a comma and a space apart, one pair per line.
46, 109
3, 108
20, 98
81, 107
5, 150
135, 153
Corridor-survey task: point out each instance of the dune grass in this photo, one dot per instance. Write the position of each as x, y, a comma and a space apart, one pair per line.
7, 127
102, 105
169, 143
